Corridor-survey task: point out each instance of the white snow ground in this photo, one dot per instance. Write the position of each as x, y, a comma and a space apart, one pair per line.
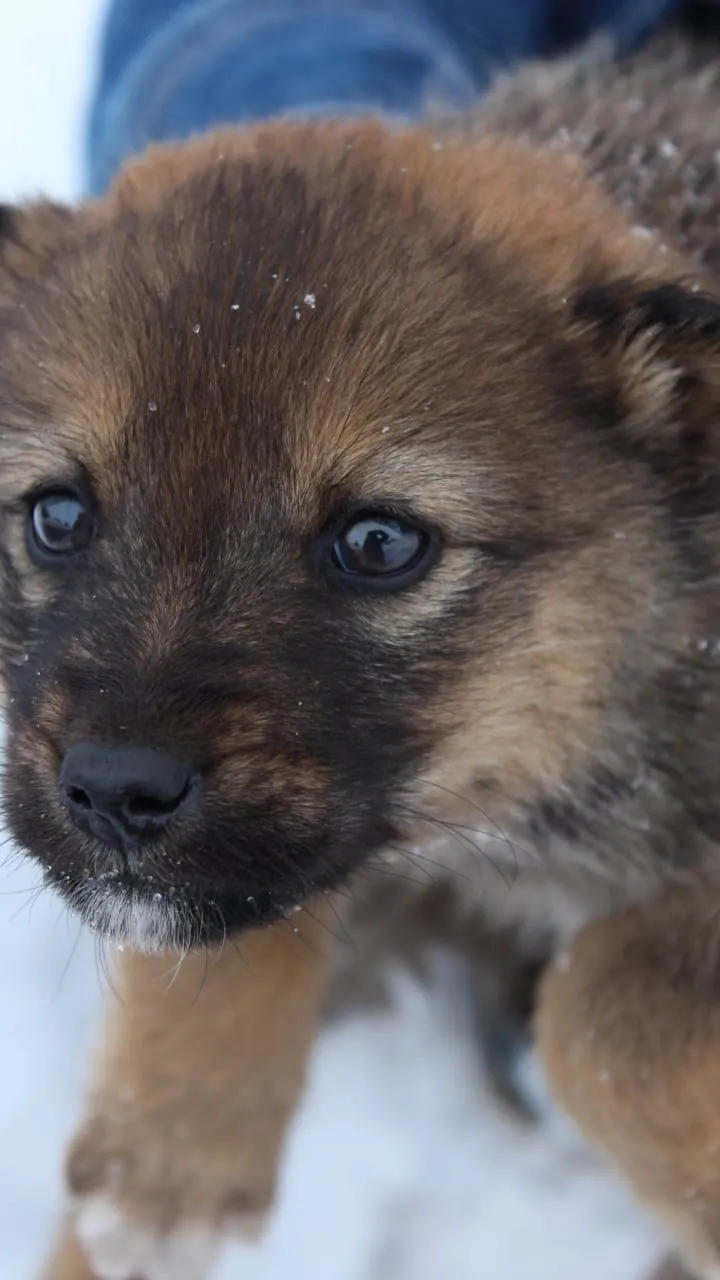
399, 1167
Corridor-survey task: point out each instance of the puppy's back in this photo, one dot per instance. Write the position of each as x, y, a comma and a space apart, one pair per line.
646, 128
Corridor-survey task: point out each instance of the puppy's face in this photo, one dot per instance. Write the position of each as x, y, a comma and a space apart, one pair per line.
317, 494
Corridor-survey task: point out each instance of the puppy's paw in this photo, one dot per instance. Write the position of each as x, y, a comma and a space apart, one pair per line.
148, 1211
122, 1248
628, 1031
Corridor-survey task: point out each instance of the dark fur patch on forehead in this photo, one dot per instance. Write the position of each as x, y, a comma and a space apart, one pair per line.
257, 324
278, 297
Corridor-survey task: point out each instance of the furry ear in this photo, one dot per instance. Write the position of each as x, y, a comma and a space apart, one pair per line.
662, 345
29, 237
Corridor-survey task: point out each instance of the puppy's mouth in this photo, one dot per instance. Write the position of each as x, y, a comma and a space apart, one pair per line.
193, 878
151, 905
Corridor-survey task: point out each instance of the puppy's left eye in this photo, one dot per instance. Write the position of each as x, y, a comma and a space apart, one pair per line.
60, 523
380, 550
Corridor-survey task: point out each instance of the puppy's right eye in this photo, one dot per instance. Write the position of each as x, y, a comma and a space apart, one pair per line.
60, 524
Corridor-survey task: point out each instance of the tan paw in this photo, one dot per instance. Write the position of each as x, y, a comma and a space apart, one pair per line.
152, 1209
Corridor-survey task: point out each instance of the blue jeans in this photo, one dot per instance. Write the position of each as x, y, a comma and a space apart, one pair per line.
174, 67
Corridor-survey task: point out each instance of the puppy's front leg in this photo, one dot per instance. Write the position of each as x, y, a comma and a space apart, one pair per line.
200, 1068
69, 1261
628, 1030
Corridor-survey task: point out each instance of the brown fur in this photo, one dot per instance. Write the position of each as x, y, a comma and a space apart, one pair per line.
69, 1261
647, 135
629, 1031
149, 1054
491, 346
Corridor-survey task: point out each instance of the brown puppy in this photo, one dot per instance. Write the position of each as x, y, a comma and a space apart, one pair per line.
358, 494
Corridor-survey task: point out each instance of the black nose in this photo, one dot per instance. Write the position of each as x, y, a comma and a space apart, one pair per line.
125, 795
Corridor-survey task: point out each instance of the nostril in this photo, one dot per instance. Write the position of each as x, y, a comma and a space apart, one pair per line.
153, 806
79, 797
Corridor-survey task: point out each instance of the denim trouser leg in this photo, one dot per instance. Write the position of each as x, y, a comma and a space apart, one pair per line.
173, 67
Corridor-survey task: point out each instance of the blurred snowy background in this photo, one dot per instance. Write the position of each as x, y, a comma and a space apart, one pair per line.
399, 1166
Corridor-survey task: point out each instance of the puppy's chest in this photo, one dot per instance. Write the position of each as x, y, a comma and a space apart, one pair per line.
545, 890
539, 876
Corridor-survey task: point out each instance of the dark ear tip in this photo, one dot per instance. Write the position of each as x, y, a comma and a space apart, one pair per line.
603, 305
674, 308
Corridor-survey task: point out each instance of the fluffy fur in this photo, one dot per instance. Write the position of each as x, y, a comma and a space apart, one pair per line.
256, 335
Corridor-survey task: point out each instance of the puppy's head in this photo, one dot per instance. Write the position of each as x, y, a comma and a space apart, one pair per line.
334, 467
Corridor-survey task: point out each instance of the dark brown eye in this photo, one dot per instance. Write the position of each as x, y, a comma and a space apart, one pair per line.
380, 548
60, 524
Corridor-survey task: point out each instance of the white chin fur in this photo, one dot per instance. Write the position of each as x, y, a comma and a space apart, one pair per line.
126, 916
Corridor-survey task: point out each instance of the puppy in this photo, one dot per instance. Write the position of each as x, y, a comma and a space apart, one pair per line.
359, 501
